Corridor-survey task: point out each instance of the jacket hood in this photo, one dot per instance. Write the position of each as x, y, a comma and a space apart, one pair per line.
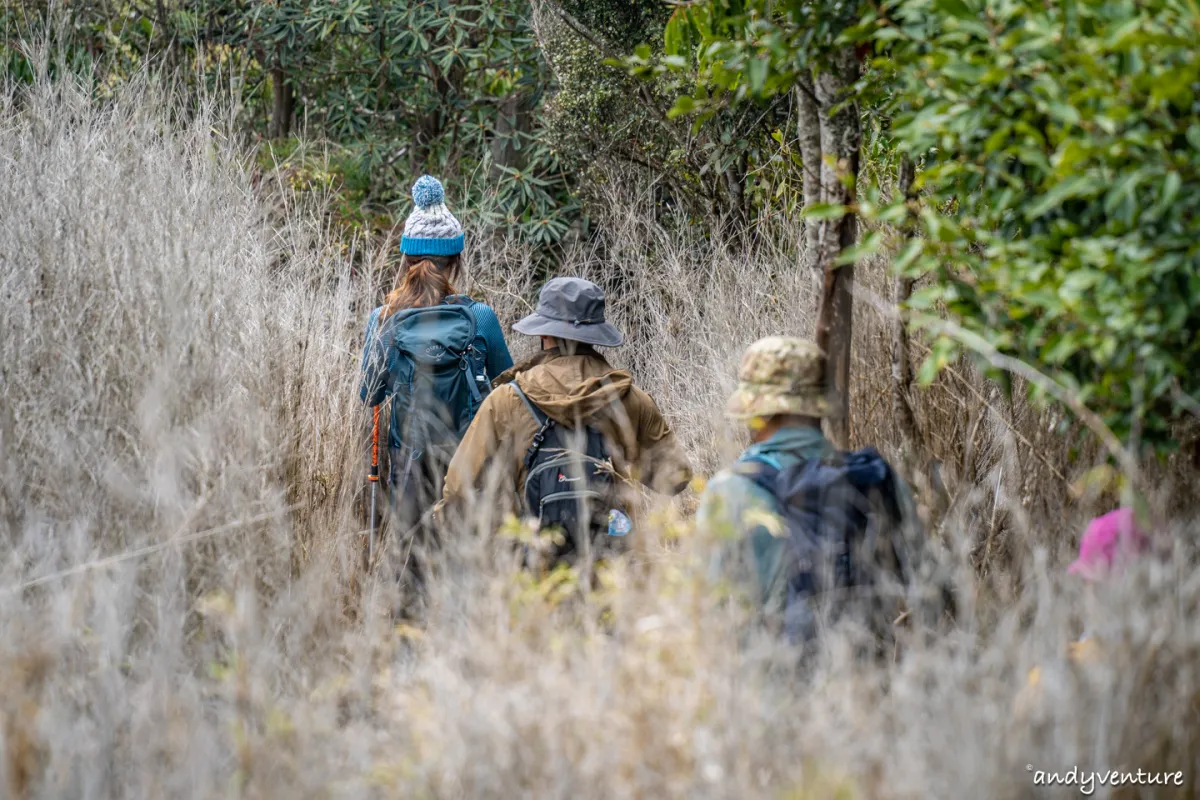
569, 388
801, 442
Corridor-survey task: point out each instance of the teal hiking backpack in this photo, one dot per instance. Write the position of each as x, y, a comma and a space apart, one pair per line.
438, 376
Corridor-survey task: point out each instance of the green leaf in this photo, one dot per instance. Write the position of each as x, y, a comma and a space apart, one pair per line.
824, 211
757, 71
1060, 349
964, 71
1193, 136
683, 105
1065, 113
872, 243
677, 35
955, 8
928, 371
909, 254
1170, 188
1075, 186
943, 352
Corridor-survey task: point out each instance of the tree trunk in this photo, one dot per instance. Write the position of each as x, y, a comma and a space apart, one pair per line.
513, 121
382, 81
902, 413
281, 113
165, 24
808, 130
738, 211
841, 138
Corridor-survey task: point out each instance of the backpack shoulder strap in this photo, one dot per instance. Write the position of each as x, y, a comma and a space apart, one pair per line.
544, 422
537, 413
868, 471
762, 470
463, 305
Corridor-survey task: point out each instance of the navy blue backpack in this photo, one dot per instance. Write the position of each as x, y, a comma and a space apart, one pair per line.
843, 527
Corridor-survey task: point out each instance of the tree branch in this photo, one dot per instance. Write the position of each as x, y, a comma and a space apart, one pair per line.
976, 343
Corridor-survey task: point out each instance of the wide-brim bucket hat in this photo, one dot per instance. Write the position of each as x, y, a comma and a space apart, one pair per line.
779, 375
571, 309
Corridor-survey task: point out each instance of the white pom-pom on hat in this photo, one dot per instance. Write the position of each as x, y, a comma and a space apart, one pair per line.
428, 192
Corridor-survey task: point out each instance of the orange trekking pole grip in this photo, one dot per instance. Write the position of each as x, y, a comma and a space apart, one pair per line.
373, 477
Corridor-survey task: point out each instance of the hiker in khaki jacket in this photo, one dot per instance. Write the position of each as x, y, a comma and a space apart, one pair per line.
572, 384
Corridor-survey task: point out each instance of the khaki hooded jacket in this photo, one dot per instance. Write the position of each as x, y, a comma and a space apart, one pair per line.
571, 389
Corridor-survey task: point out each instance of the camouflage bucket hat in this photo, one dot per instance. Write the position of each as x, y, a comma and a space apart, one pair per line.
779, 375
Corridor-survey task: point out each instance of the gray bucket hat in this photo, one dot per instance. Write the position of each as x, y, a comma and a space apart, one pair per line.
572, 309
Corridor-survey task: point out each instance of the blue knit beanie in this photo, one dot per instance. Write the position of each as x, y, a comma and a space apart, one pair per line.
431, 230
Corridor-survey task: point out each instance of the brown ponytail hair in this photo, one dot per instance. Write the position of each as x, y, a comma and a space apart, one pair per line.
426, 281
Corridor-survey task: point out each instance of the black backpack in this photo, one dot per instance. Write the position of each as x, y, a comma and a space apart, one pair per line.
844, 532
569, 482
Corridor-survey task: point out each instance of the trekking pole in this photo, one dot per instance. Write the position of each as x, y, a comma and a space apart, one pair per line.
373, 477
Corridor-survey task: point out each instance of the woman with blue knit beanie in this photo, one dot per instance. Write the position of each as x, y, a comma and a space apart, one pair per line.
430, 351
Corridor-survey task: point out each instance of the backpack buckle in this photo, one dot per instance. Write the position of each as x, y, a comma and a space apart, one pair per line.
536, 445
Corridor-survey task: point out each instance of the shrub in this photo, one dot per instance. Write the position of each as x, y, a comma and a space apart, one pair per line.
1061, 171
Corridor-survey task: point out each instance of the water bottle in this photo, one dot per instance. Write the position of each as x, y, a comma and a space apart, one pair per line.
618, 523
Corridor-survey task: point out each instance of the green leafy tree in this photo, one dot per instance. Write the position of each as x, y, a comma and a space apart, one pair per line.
602, 117
452, 87
1060, 145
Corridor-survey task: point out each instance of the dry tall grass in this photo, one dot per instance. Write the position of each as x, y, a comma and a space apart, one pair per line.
181, 609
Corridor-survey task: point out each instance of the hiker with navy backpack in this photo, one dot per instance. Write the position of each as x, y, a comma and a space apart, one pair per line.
813, 534
564, 433
432, 353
